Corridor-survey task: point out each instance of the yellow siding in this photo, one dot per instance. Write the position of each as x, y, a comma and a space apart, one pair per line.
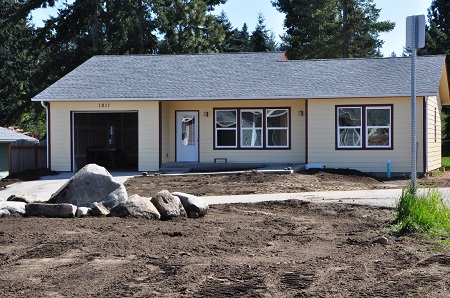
433, 121
148, 131
206, 131
321, 133
165, 130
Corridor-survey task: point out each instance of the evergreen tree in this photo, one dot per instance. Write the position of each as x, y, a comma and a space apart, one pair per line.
331, 28
244, 38
187, 27
17, 65
437, 42
262, 40
438, 30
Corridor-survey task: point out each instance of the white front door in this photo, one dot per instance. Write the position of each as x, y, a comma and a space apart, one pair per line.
187, 136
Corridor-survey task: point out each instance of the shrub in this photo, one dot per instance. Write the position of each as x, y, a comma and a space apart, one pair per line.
424, 213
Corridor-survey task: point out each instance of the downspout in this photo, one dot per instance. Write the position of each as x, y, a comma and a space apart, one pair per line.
46, 128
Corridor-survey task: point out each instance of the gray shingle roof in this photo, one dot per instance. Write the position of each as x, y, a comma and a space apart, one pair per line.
9, 136
241, 76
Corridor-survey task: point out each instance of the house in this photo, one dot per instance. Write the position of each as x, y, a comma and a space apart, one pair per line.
6, 138
143, 111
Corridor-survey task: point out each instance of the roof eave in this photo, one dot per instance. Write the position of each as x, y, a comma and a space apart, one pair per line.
234, 98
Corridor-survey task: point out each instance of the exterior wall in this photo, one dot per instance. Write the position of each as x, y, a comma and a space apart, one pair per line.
434, 142
4, 158
148, 131
322, 137
296, 154
166, 137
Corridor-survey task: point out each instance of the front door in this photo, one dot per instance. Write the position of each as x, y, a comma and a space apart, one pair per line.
187, 136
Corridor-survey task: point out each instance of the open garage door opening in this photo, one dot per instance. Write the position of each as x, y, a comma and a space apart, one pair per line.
107, 139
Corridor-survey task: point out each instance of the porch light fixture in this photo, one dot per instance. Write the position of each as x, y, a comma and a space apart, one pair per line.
205, 114
300, 113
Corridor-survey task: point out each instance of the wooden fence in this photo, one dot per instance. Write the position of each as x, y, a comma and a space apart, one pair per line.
25, 155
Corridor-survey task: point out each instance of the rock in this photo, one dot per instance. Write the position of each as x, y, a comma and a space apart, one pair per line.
25, 198
83, 212
4, 212
61, 210
91, 184
10, 208
97, 209
169, 206
194, 206
136, 206
382, 240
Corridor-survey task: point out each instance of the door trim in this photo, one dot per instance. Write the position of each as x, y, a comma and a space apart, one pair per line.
198, 133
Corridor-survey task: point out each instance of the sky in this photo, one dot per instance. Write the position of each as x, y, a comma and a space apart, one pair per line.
246, 11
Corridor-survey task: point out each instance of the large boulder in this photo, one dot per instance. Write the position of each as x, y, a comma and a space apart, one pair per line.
136, 206
169, 206
91, 184
194, 206
10, 208
61, 210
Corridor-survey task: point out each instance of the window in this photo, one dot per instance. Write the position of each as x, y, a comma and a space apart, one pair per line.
378, 127
251, 128
364, 127
254, 128
349, 127
277, 128
226, 128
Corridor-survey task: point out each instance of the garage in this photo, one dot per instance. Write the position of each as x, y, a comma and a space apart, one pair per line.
109, 139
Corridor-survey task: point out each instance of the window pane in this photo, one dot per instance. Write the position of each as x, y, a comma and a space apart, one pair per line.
349, 116
378, 137
251, 119
378, 117
349, 137
251, 138
225, 119
277, 137
226, 138
188, 131
277, 118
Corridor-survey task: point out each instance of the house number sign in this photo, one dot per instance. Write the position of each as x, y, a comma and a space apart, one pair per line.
103, 105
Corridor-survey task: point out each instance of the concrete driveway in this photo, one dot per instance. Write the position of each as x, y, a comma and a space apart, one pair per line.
45, 187
48, 185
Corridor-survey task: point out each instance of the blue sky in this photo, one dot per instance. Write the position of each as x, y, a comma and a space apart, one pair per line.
246, 11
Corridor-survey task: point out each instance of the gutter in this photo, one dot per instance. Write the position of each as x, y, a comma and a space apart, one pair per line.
202, 98
47, 131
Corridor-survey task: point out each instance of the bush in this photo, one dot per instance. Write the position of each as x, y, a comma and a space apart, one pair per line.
424, 213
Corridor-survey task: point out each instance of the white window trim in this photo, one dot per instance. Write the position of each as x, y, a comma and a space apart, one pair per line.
349, 127
216, 129
286, 128
252, 128
381, 127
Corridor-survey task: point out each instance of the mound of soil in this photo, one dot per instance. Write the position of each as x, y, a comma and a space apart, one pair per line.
253, 182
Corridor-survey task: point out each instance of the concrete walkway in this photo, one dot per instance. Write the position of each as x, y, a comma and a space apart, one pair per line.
45, 187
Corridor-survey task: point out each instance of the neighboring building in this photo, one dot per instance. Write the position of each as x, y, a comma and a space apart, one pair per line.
6, 138
143, 111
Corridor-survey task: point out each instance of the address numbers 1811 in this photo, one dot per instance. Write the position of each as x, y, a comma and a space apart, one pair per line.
103, 105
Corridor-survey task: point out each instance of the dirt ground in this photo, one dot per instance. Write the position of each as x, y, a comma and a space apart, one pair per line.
271, 249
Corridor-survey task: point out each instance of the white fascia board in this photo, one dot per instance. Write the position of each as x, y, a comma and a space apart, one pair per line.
231, 98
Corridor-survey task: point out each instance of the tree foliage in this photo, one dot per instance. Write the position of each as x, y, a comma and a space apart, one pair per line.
331, 28
262, 40
17, 65
437, 41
